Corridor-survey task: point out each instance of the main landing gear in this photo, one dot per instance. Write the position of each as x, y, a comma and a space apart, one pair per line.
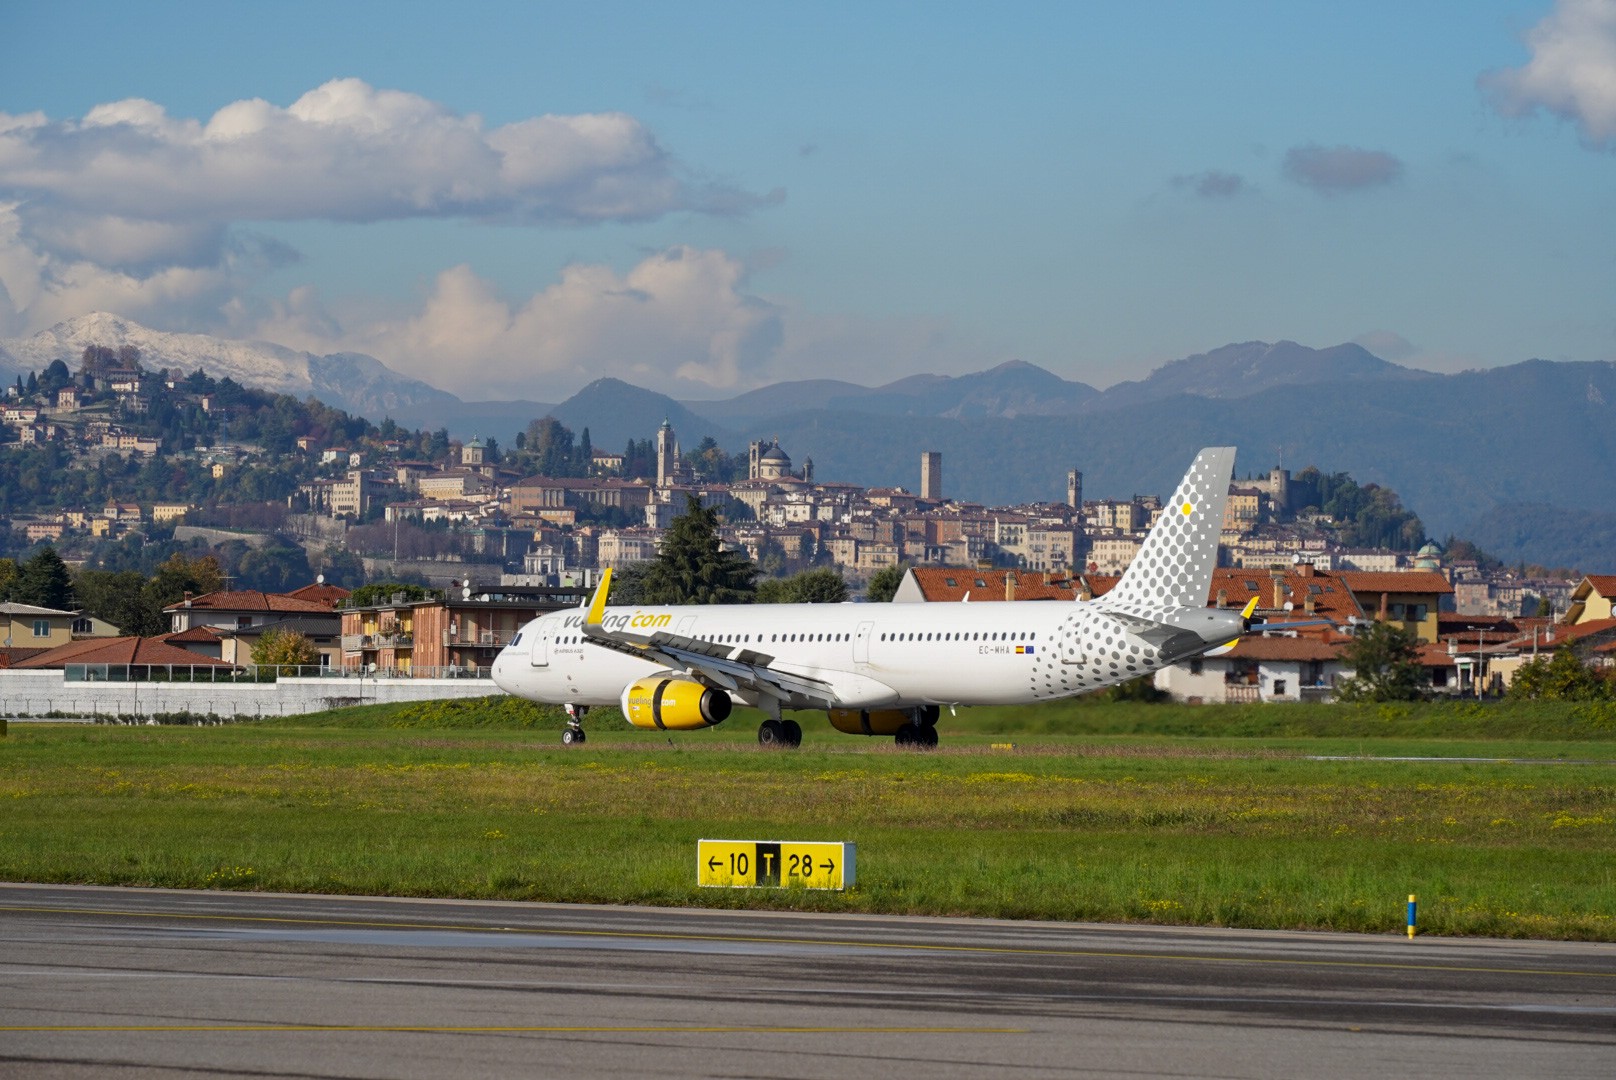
921, 732
574, 733
780, 734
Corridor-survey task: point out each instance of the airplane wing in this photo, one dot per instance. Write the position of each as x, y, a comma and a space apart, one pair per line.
726, 666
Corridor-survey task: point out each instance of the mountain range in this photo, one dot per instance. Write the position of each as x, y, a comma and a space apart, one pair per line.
1516, 458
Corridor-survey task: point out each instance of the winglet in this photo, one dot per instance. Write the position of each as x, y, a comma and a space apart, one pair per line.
597, 604
1251, 605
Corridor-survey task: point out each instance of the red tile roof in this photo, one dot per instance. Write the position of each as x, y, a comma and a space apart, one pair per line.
1603, 584
203, 635
1331, 598
1395, 581
120, 651
320, 593
250, 600
1286, 648
945, 584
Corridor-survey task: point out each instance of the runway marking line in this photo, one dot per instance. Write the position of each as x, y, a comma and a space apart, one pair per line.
740, 939
569, 1029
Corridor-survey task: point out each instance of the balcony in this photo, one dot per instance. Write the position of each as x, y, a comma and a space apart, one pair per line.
471, 637
352, 643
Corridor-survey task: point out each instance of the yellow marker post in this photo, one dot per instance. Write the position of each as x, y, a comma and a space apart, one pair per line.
1413, 903
775, 864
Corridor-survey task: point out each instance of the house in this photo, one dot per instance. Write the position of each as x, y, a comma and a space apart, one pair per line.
28, 626
120, 659
124, 513
1260, 668
1592, 599
435, 638
1409, 597
324, 632
241, 610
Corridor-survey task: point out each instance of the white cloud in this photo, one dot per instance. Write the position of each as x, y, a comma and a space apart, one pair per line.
1340, 168
132, 209
345, 151
1572, 72
681, 320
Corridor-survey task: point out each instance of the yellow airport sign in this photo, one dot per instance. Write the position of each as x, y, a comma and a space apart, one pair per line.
774, 864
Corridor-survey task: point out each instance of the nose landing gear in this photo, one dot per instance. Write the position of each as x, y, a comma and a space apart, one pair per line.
574, 733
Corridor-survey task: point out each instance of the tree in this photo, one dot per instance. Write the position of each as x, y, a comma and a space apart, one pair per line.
286, 648
1385, 664
8, 578
693, 566
884, 584
1564, 677
549, 442
120, 597
628, 583
45, 581
382, 592
821, 586
181, 575
96, 358
56, 377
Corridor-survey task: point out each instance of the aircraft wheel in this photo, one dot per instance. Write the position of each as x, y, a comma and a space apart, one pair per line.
792, 731
905, 736
928, 738
772, 734
928, 715
572, 737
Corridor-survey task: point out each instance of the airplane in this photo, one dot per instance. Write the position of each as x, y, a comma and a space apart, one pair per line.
885, 669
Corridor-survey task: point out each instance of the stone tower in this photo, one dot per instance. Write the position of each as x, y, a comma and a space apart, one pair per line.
1074, 489
667, 455
931, 475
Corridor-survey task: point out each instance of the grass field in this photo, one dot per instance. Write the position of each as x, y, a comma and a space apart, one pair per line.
1204, 815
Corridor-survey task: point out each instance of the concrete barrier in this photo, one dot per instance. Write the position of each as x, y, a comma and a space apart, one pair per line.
36, 693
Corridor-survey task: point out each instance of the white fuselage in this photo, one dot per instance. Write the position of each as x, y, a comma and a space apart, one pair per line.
871, 655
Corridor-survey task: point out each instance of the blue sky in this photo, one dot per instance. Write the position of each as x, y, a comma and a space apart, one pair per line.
511, 200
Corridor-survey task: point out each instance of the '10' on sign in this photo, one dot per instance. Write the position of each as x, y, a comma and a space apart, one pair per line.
774, 864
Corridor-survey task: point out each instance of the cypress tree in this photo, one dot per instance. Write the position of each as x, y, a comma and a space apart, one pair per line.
694, 568
45, 581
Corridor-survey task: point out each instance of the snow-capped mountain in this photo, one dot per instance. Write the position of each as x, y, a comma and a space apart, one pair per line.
355, 382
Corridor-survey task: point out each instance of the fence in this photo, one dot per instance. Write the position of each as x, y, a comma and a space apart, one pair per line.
255, 673
49, 693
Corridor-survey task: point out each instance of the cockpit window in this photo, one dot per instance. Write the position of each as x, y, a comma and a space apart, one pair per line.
517, 640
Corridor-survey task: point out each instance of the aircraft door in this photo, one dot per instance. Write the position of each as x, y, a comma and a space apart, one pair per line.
861, 642
541, 642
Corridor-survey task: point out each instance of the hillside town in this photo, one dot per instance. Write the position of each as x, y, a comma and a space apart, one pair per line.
475, 542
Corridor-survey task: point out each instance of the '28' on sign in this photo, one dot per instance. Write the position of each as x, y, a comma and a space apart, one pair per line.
777, 864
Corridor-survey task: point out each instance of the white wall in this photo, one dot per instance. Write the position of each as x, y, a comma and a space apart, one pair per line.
34, 693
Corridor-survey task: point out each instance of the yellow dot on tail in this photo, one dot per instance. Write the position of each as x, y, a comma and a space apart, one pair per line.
1186, 508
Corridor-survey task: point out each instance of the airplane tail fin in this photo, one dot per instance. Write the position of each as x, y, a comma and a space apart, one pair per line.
1174, 567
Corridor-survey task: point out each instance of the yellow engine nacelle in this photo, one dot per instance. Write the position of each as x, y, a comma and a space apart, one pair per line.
672, 703
868, 722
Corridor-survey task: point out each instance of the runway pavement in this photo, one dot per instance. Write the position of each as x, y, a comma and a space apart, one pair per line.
132, 982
